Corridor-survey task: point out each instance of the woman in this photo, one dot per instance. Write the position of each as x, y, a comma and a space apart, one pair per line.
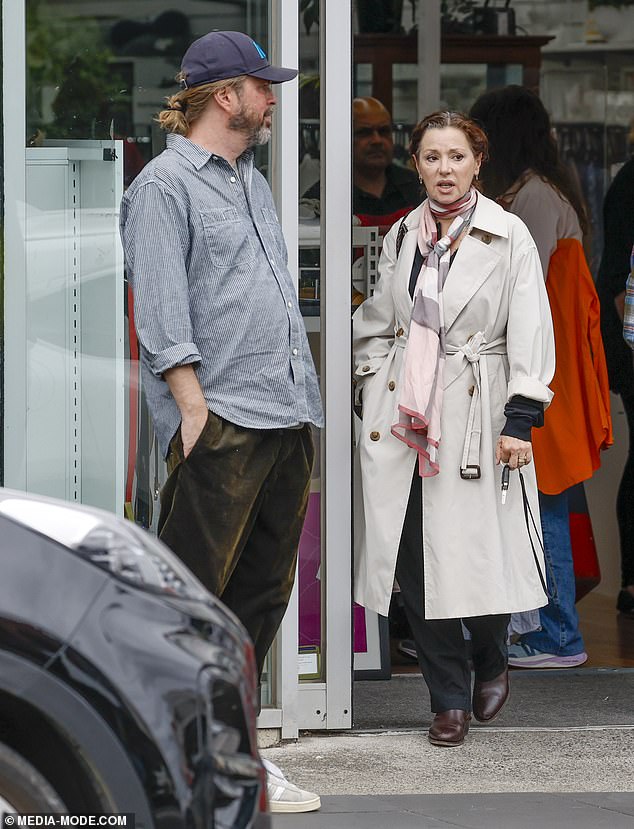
526, 177
436, 377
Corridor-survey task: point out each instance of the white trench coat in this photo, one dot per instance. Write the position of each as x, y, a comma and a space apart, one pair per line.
476, 552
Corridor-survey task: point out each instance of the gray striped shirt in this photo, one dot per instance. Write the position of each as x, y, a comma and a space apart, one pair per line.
208, 267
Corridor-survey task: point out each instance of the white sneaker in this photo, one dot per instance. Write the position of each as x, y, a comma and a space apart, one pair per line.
285, 797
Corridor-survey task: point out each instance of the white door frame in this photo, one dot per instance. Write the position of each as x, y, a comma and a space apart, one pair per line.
327, 704
15, 300
284, 51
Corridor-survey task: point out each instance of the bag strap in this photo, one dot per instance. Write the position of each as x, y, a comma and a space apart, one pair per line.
528, 511
402, 230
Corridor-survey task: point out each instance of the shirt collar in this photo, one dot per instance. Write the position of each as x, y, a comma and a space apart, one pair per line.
198, 156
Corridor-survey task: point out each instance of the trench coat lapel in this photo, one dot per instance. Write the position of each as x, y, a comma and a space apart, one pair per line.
471, 268
475, 260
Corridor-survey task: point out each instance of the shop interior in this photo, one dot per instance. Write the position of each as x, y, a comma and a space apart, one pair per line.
577, 57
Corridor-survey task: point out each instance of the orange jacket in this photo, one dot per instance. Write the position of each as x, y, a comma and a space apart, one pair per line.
577, 422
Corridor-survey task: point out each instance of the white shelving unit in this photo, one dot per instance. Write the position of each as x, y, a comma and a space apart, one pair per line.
365, 269
74, 332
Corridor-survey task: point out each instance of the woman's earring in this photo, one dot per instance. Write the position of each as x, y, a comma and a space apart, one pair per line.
420, 179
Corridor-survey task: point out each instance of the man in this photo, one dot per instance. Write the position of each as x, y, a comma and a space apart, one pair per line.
226, 365
383, 192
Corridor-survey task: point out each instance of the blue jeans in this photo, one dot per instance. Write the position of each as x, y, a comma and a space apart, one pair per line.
559, 619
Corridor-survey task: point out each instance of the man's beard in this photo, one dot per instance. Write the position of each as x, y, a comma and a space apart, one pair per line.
250, 124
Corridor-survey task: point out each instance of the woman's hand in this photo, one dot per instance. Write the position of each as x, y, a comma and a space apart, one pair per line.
515, 452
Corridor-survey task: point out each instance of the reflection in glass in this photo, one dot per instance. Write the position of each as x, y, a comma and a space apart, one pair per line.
311, 598
461, 84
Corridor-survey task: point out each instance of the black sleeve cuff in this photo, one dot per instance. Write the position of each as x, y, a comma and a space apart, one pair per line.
522, 415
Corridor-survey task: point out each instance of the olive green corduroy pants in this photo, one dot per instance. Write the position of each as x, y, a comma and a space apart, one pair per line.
233, 512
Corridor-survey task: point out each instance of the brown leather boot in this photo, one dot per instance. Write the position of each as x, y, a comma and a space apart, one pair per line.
489, 697
449, 728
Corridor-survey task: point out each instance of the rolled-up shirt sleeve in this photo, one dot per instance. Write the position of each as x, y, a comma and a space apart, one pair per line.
155, 235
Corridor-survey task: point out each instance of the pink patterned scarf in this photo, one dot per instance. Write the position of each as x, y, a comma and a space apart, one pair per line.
424, 359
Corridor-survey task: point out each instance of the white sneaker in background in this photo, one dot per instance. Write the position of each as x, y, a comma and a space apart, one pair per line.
285, 797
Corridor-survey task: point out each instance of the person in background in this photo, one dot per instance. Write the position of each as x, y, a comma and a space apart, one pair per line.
225, 360
526, 176
618, 222
453, 354
382, 190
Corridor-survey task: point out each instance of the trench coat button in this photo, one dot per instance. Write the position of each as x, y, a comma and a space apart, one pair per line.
400, 332
391, 385
365, 368
375, 435
471, 390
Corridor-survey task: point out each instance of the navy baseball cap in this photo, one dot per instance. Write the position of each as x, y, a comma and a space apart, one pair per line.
218, 56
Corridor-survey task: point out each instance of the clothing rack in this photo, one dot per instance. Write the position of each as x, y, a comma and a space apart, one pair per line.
591, 149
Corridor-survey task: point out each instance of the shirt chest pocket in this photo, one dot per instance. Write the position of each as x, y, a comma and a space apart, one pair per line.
272, 224
228, 236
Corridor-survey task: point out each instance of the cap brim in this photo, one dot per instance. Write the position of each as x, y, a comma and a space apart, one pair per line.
275, 74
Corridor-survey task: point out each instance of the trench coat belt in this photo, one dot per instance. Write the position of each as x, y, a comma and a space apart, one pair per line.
473, 350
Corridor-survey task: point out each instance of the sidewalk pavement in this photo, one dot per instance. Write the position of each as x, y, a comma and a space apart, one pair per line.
471, 811
501, 778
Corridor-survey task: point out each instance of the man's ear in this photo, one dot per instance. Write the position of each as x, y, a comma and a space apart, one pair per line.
225, 98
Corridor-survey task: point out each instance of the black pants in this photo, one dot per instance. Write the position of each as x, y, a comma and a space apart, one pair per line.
233, 512
440, 644
625, 502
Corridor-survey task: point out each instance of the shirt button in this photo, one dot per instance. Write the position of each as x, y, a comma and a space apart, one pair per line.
289, 304
399, 333
295, 352
232, 179
365, 368
471, 390
391, 385
375, 435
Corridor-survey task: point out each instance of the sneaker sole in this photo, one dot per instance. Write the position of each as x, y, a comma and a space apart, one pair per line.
279, 807
543, 661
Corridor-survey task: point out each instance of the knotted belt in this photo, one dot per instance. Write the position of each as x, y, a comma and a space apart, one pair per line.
475, 348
